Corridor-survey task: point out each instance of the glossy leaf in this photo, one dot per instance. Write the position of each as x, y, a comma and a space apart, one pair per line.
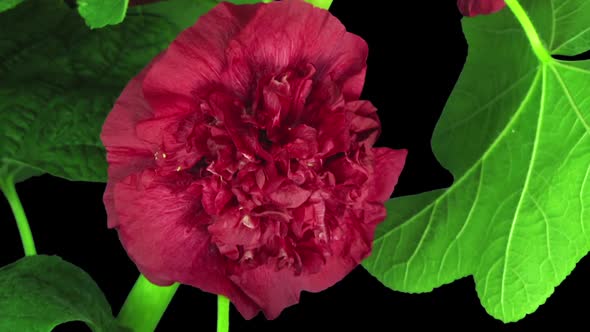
515, 133
38, 293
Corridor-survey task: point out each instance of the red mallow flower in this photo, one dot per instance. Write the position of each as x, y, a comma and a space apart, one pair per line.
241, 160
480, 7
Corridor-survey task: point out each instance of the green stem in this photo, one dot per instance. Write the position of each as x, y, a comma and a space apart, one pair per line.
9, 190
222, 314
324, 4
530, 30
145, 305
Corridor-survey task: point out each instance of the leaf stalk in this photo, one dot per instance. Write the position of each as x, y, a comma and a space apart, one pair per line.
8, 188
523, 18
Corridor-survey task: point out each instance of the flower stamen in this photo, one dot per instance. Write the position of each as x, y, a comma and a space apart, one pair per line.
247, 221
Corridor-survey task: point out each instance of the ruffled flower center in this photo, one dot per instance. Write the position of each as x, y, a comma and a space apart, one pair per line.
276, 172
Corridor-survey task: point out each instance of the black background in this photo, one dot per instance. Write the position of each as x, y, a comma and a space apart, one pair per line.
417, 51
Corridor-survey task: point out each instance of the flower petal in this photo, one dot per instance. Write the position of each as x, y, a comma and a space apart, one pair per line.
126, 153
289, 195
194, 60
388, 167
304, 34
275, 290
479, 7
164, 231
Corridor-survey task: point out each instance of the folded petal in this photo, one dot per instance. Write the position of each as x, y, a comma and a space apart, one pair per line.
304, 34
388, 167
164, 231
276, 290
194, 60
480, 7
290, 195
127, 153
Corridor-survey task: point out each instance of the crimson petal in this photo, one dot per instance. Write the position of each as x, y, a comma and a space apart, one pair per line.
304, 34
388, 167
151, 213
480, 7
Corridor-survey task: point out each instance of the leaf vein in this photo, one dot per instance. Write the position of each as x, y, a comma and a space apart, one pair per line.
426, 231
570, 98
582, 208
497, 97
523, 192
467, 220
547, 237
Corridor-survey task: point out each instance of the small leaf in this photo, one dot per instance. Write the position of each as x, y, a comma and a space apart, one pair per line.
515, 133
100, 13
8, 4
38, 293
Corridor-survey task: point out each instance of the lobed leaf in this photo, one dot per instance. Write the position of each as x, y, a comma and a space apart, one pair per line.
515, 134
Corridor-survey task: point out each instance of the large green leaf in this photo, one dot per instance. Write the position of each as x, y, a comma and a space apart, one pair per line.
8, 4
515, 133
183, 13
60, 80
100, 13
37, 293
570, 35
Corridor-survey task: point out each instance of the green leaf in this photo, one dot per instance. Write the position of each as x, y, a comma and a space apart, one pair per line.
179, 13
515, 133
183, 13
8, 4
571, 35
100, 13
38, 293
60, 80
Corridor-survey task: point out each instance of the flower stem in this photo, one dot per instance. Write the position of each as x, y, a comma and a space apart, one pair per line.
324, 4
222, 314
145, 305
531, 33
9, 190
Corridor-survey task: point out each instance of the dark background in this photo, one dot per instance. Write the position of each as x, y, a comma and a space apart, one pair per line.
417, 51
